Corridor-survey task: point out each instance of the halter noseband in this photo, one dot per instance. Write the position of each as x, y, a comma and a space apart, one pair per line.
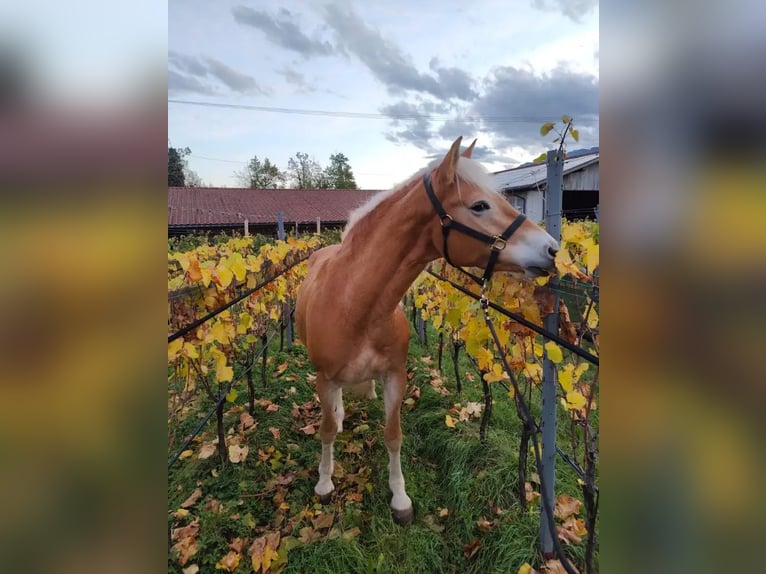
496, 242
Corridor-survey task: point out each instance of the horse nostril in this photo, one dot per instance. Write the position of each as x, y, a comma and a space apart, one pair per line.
552, 252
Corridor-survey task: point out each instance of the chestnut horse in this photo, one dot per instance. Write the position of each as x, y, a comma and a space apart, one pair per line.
349, 312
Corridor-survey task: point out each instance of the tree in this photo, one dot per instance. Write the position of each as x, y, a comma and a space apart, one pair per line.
260, 175
176, 164
339, 174
191, 178
305, 173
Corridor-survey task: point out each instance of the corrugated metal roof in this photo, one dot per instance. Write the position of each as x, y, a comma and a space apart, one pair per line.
530, 176
199, 206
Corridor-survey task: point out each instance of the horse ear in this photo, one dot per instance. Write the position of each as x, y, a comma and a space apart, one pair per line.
469, 150
449, 163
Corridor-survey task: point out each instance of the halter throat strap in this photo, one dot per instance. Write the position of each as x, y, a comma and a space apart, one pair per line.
496, 242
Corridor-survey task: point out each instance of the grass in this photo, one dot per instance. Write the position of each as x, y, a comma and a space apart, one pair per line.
444, 468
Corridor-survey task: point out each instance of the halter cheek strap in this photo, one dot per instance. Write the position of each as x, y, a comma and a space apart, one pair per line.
496, 242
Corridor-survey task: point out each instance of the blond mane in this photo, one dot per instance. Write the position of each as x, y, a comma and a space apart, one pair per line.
468, 170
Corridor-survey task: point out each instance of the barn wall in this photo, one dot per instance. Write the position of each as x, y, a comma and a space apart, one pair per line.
586, 178
535, 206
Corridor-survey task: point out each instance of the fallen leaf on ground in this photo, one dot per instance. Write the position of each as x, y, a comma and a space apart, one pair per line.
193, 498
309, 429
208, 449
280, 370
323, 521
274, 432
229, 562
237, 453
185, 541
246, 421
485, 525
572, 530
566, 506
470, 549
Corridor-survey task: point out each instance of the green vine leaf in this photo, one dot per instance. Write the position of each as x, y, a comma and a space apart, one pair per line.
575, 135
545, 128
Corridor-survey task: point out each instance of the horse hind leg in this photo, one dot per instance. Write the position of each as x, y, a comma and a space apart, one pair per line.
340, 412
393, 392
365, 390
329, 398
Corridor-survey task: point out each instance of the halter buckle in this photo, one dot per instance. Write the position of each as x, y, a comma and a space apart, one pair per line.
498, 243
448, 217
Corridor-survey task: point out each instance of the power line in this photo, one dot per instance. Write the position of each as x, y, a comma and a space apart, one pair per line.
377, 116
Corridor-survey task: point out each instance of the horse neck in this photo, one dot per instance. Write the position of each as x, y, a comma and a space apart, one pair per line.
390, 247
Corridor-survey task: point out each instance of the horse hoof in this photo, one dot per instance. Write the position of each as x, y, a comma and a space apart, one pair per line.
325, 498
403, 517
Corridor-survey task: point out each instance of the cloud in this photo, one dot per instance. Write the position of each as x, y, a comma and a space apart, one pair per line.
297, 79
414, 123
180, 83
388, 63
456, 80
572, 9
189, 71
283, 31
236, 81
508, 113
516, 102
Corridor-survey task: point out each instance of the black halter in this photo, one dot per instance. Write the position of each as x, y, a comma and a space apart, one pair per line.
496, 242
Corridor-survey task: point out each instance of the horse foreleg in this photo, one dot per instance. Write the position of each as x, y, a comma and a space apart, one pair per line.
393, 392
329, 398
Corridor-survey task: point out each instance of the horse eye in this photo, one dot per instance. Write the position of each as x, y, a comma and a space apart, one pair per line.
479, 206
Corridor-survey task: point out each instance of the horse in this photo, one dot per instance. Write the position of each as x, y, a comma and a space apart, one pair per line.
349, 311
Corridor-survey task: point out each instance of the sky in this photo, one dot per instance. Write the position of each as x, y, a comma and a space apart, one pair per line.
388, 84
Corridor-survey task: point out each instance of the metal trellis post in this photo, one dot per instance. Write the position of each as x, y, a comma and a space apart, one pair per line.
553, 207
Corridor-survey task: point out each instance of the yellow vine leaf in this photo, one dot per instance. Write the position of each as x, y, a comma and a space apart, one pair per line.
449, 421
224, 276
218, 333
592, 318
484, 358
183, 259
174, 348
534, 370
546, 128
205, 276
496, 374
566, 377
581, 368
237, 266
477, 337
554, 352
190, 351
575, 400
245, 323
